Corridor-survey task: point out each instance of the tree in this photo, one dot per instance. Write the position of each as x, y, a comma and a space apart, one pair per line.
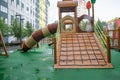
3, 27
16, 27
29, 28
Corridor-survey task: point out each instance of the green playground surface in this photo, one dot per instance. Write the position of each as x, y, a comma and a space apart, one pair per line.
38, 64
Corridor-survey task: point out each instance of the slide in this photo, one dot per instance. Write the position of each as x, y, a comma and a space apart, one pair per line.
38, 35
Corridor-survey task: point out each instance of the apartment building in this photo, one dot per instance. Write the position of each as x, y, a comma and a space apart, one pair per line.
25, 8
4, 10
44, 4
81, 9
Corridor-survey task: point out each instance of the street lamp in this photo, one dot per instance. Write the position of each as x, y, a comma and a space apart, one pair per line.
20, 28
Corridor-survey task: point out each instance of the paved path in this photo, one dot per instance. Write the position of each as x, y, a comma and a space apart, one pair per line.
9, 48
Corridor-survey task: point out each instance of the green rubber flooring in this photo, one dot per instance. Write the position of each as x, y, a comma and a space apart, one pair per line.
38, 64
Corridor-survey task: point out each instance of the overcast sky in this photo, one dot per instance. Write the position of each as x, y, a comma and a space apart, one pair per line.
104, 10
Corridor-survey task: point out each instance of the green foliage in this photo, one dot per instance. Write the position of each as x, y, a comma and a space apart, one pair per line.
100, 24
29, 28
16, 27
3, 27
26, 31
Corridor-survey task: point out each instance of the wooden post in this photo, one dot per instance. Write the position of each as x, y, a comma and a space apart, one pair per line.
119, 38
108, 50
88, 12
76, 25
55, 55
3, 44
93, 16
59, 13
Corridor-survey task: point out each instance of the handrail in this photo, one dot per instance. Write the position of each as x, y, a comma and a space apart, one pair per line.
104, 39
101, 35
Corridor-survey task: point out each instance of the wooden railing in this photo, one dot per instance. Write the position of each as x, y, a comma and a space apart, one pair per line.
101, 35
103, 39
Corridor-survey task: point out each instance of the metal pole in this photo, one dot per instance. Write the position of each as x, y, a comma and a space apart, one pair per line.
20, 30
20, 33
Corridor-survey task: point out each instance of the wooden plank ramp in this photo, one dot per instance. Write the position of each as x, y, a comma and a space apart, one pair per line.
80, 50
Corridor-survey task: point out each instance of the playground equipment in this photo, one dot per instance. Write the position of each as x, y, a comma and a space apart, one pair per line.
38, 35
113, 30
74, 48
3, 45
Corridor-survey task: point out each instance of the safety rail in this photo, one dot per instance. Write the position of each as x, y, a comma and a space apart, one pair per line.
104, 39
101, 35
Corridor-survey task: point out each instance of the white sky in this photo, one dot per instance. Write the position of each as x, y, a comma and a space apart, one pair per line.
104, 10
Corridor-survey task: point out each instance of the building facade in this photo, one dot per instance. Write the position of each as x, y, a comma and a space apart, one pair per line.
4, 10
34, 11
44, 4
25, 8
37, 17
81, 9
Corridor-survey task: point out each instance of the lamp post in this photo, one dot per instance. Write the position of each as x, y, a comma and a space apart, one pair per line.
20, 28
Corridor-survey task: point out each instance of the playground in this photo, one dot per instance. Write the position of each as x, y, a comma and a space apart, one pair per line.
80, 48
38, 64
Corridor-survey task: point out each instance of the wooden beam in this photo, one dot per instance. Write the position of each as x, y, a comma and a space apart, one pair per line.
55, 55
108, 50
3, 45
119, 38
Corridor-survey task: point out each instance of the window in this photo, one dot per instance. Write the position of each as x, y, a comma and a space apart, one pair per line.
27, 8
33, 1
12, 18
17, 2
3, 9
22, 5
5, 1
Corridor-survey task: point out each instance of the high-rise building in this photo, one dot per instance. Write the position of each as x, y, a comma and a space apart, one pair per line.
4, 10
44, 4
81, 9
25, 8
34, 11
37, 17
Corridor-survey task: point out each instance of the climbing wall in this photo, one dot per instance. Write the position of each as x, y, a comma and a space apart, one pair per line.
80, 50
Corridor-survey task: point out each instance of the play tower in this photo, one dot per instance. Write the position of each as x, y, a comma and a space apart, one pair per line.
76, 48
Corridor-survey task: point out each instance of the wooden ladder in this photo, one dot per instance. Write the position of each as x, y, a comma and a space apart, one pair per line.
3, 45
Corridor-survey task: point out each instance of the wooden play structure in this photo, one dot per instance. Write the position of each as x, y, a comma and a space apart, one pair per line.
113, 30
3, 46
75, 48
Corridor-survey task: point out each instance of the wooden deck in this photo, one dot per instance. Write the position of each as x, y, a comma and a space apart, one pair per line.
80, 50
